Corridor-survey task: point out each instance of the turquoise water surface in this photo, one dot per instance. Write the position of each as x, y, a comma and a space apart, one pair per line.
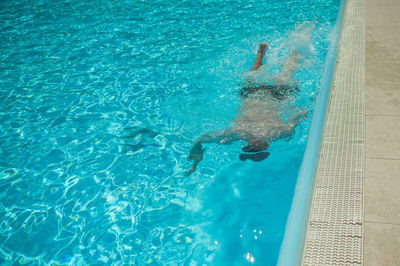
100, 102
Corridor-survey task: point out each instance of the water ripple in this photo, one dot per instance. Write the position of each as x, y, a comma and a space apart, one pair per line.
99, 105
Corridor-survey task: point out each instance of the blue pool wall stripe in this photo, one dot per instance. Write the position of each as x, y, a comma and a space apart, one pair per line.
291, 251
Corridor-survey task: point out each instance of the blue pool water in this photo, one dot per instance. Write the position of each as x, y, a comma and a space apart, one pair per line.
100, 103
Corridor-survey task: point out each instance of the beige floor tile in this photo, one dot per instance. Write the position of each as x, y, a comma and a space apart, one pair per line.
381, 50
371, 4
382, 30
382, 244
382, 137
382, 186
382, 99
382, 13
385, 72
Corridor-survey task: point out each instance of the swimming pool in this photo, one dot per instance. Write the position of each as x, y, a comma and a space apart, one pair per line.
100, 104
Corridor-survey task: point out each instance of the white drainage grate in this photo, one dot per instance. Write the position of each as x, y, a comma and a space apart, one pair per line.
335, 230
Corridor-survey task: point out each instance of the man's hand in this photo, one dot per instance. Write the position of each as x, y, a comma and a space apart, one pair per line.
195, 155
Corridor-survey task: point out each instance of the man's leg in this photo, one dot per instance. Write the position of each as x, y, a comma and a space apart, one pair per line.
287, 69
260, 55
292, 62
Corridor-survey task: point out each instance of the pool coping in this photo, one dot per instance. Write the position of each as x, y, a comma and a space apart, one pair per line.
325, 220
335, 231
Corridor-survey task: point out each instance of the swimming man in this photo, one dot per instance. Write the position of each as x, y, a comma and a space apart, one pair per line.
258, 121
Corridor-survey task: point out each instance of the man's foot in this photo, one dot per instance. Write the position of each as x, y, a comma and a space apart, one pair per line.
262, 48
292, 61
294, 58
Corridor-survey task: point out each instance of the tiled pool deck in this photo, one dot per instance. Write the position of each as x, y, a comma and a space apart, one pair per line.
382, 91
355, 216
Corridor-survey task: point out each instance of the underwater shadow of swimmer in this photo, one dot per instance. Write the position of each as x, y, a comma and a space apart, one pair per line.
136, 138
255, 157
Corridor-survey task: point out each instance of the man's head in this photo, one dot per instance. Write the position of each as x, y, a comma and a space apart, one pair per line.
256, 145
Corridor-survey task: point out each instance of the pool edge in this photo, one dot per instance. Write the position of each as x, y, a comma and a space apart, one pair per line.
336, 231
291, 252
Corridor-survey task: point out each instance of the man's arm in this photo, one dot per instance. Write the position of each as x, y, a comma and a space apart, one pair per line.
286, 130
197, 151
